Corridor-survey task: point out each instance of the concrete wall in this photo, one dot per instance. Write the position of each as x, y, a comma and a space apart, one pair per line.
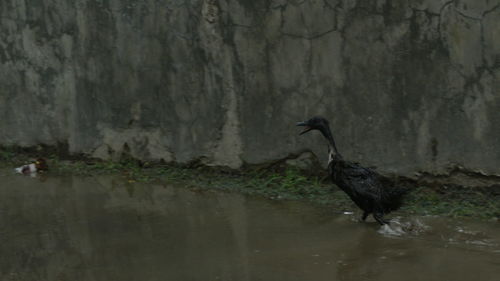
407, 85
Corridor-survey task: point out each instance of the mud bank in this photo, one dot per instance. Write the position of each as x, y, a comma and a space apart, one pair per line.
276, 181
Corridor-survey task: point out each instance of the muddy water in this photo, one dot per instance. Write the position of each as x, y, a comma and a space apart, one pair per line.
104, 228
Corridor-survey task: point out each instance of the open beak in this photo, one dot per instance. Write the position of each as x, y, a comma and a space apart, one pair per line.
306, 127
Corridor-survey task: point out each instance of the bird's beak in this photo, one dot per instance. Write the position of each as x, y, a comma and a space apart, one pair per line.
306, 129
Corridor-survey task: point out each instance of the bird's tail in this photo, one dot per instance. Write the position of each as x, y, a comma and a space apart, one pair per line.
394, 198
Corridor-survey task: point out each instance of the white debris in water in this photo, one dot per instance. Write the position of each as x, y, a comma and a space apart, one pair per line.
348, 213
341, 262
467, 231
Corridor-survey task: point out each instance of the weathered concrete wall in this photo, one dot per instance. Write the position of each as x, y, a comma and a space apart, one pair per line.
408, 85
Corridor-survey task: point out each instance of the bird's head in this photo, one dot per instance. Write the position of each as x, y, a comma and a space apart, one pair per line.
315, 123
41, 164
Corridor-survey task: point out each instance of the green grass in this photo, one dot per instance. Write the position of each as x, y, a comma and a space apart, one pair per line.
458, 202
7, 154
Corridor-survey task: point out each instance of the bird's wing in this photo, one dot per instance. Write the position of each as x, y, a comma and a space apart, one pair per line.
364, 180
366, 183
354, 170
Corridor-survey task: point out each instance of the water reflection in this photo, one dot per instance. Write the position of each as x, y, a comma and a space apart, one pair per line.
104, 228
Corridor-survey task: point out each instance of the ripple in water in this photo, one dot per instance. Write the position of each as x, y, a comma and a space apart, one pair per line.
399, 227
463, 235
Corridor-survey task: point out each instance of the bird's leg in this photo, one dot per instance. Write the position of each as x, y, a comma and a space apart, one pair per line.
379, 218
364, 216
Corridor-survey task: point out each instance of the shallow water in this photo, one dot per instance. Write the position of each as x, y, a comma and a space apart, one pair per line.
104, 228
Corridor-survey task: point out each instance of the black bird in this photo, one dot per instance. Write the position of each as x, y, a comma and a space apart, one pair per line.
363, 185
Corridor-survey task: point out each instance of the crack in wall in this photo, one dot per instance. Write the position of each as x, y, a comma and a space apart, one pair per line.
312, 37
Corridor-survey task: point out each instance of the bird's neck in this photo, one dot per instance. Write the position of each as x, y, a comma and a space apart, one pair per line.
332, 148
